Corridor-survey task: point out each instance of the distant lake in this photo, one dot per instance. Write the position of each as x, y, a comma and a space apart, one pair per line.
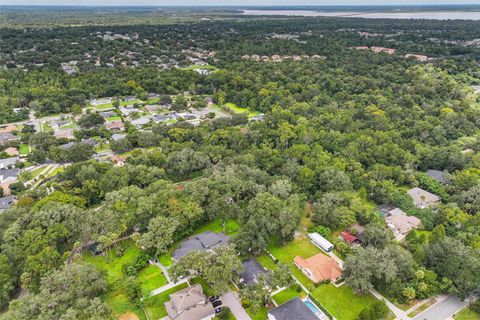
436, 15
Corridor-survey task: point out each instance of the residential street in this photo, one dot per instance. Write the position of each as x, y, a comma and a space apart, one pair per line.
443, 309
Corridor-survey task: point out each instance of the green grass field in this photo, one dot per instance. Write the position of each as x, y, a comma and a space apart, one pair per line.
24, 149
37, 171
288, 294
206, 67
342, 302
151, 278
114, 118
236, 109
154, 305
116, 296
467, 314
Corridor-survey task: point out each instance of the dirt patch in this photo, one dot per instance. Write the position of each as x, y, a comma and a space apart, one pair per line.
128, 316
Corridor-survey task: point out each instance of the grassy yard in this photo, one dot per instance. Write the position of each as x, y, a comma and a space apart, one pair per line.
228, 316
151, 278
342, 302
56, 171
154, 305
206, 67
260, 315
116, 296
114, 118
467, 314
231, 228
207, 289
24, 149
237, 109
37, 171
288, 294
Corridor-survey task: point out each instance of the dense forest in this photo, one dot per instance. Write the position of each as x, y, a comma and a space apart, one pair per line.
341, 136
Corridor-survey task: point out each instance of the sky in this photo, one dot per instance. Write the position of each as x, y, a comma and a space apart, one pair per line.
232, 2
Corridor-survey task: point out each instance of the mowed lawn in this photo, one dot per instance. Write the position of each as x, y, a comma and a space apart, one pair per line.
24, 149
116, 296
236, 109
467, 314
288, 294
342, 302
151, 278
154, 306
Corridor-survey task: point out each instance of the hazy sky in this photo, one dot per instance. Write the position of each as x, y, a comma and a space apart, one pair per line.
232, 2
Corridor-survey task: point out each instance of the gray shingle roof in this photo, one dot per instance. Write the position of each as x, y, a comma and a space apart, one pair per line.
437, 175
252, 269
202, 241
6, 202
293, 309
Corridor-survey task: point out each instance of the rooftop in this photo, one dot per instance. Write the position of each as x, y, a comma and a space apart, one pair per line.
202, 241
422, 198
293, 309
252, 269
321, 266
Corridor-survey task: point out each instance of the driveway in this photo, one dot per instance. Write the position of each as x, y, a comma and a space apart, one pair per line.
443, 309
229, 299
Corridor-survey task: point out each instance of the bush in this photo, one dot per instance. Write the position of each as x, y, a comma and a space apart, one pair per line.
132, 268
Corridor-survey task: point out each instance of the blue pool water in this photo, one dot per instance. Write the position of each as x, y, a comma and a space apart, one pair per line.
312, 307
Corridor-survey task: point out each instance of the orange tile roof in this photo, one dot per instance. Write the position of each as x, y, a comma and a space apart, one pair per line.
322, 267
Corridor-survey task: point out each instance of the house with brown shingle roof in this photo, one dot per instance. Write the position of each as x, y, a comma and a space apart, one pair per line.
319, 267
189, 304
422, 198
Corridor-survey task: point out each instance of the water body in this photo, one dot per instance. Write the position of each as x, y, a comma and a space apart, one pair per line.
436, 15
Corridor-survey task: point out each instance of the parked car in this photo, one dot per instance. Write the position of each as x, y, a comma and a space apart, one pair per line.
216, 303
218, 310
213, 298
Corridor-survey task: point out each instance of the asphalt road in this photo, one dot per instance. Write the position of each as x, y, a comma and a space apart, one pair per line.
442, 310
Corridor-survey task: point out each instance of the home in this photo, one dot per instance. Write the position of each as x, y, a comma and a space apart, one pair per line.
417, 57
8, 163
118, 136
258, 117
203, 72
203, 241
319, 267
320, 242
97, 102
56, 124
423, 199
108, 114
400, 223
383, 49
140, 122
115, 125
160, 118
6, 202
152, 108
349, 238
128, 110
67, 133
252, 269
67, 146
189, 304
292, 309
9, 175
11, 151
437, 175
187, 116
9, 128
153, 95
118, 161
6, 137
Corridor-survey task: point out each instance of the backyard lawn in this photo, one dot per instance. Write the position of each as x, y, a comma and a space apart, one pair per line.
237, 109
288, 294
154, 305
151, 278
467, 314
114, 118
24, 149
342, 302
116, 296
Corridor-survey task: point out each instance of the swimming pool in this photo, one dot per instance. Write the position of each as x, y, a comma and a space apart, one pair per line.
314, 309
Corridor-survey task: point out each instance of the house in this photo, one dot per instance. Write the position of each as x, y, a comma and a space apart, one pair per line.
56, 124
423, 199
320, 242
187, 116
9, 175
319, 267
11, 151
6, 137
9, 128
400, 223
383, 49
152, 108
292, 309
67, 133
115, 125
189, 304
6, 202
203, 241
8, 163
153, 95
108, 114
97, 102
67, 146
417, 57
160, 118
118, 161
437, 175
252, 270
140, 122
350, 238
203, 72
128, 110
258, 117
118, 136
90, 142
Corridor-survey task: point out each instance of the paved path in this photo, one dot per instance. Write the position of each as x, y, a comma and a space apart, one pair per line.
168, 286
399, 313
231, 300
164, 270
443, 309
